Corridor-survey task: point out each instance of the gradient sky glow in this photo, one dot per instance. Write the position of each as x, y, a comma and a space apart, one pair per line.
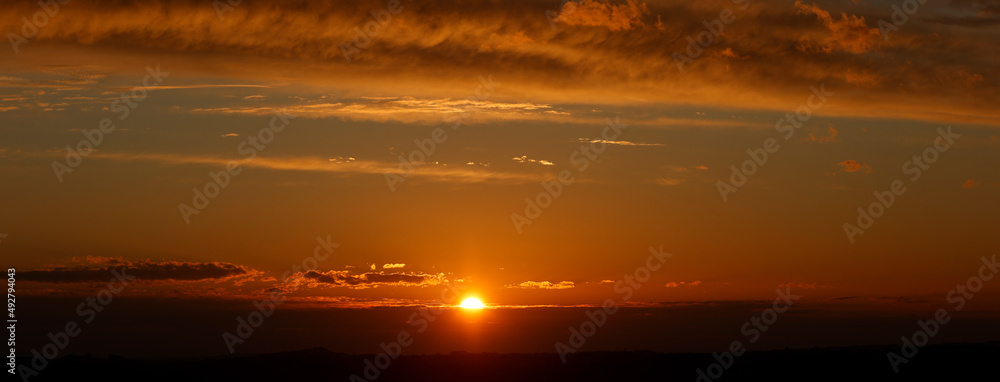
529, 91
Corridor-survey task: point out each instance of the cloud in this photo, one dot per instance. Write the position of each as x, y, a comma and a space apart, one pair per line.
615, 17
117, 90
436, 52
854, 166
618, 143
230, 135
525, 159
98, 269
433, 172
674, 284
542, 285
370, 279
393, 266
970, 184
401, 109
849, 33
830, 137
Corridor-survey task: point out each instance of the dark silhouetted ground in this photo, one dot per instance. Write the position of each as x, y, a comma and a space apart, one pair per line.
948, 362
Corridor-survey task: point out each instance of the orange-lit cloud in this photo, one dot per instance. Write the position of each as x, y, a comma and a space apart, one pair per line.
435, 52
525, 159
542, 285
618, 143
616, 16
435, 172
674, 284
830, 137
370, 279
403, 109
854, 166
849, 33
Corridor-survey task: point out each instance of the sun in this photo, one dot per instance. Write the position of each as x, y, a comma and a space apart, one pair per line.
472, 303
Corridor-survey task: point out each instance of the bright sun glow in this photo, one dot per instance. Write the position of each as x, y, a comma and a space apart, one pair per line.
472, 303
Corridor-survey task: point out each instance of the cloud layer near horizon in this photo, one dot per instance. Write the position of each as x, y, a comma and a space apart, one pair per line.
99, 269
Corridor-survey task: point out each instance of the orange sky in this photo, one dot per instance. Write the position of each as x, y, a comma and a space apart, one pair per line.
516, 94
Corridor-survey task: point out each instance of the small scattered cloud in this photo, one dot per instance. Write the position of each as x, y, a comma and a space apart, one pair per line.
730, 53
854, 166
969, 79
543, 285
831, 136
970, 184
616, 17
849, 32
342, 159
525, 159
393, 266
230, 135
674, 284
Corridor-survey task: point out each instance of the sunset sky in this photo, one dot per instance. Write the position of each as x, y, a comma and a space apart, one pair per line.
512, 93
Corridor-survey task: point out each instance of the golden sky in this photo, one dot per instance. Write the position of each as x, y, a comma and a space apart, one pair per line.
516, 89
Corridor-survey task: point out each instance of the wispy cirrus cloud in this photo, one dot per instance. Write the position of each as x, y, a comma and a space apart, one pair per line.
457, 173
401, 109
434, 50
617, 143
